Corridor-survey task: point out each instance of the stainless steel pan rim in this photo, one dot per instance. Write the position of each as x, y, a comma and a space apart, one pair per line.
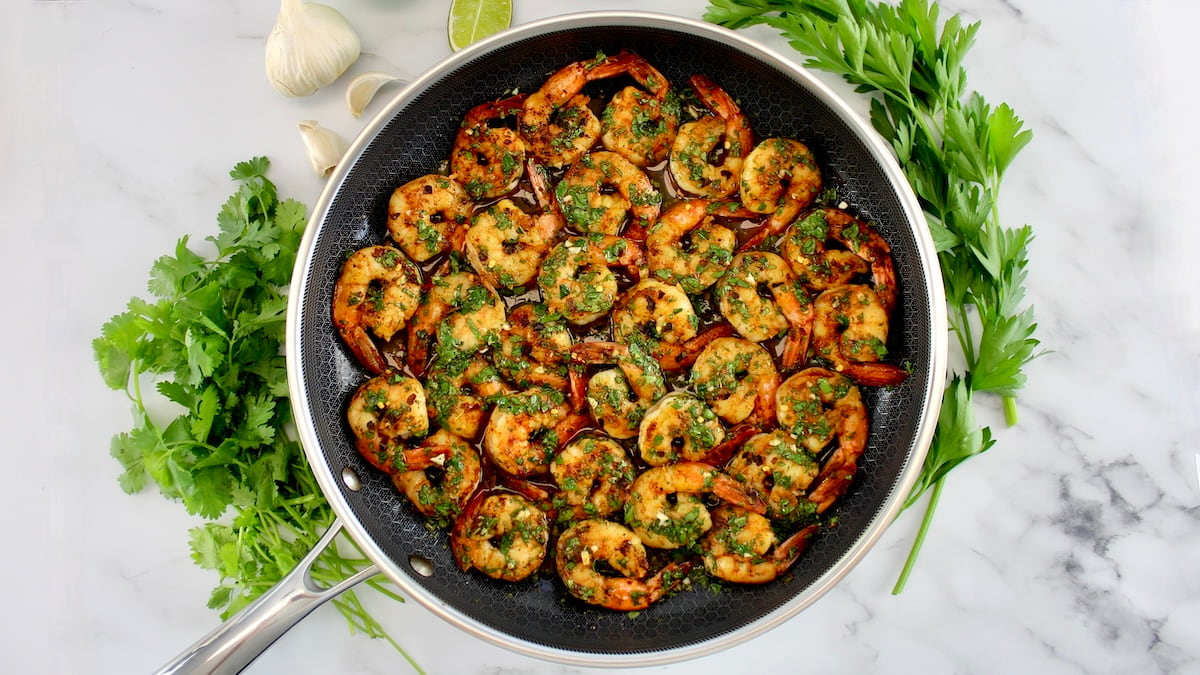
330, 480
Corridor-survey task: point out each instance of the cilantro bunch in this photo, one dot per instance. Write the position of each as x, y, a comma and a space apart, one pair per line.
211, 343
954, 148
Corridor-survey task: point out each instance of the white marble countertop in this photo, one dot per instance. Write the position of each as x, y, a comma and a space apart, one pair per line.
1072, 547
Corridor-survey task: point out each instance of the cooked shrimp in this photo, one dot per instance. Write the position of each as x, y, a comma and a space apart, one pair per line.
774, 466
640, 125
742, 548
463, 314
593, 475
816, 257
506, 246
707, 155
587, 543
737, 378
850, 331
527, 429
489, 157
423, 211
502, 535
688, 247
604, 193
678, 427
760, 297
619, 398
780, 174
440, 491
665, 509
377, 293
576, 280
807, 249
826, 413
456, 393
655, 315
386, 413
555, 120
534, 349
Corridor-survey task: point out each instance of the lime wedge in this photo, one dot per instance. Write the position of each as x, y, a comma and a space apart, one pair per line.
472, 20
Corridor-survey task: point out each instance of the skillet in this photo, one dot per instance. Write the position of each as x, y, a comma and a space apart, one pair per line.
536, 617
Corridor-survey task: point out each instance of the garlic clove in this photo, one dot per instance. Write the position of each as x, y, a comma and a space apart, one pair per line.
323, 146
363, 88
310, 46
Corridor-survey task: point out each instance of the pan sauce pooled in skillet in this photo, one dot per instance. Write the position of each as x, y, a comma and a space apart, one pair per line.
634, 345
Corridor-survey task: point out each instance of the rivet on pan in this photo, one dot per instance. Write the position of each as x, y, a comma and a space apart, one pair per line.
351, 479
421, 565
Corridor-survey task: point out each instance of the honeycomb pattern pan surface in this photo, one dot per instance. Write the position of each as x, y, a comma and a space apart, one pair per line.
412, 137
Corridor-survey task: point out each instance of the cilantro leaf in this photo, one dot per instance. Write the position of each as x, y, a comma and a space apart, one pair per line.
212, 342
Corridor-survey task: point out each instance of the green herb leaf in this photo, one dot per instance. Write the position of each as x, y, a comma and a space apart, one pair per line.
954, 148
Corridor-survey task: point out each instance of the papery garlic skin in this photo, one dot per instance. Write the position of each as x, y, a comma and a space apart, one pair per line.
323, 146
310, 46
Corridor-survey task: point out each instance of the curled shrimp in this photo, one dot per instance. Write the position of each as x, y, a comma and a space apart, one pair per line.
707, 155
386, 414
775, 466
850, 330
826, 414
604, 193
818, 259
460, 312
593, 474
742, 547
534, 349
576, 279
656, 315
688, 247
502, 535
376, 294
761, 298
489, 157
591, 542
526, 430
737, 378
665, 508
780, 174
678, 427
422, 213
555, 120
456, 393
618, 398
505, 245
638, 124
441, 490
809, 248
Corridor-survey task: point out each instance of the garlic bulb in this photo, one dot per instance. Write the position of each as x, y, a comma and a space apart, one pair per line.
310, 46
323, 147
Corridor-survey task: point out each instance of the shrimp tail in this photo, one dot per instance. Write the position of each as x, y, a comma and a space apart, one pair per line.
577, 381
673, 358
875, 374
725, 450
831, 483
364, 349
790, 549
734, 492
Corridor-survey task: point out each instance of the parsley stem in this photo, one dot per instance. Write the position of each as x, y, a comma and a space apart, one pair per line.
920, 539
1010, 410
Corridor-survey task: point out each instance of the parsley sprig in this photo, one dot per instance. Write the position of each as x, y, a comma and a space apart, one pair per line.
954, 148
211, 343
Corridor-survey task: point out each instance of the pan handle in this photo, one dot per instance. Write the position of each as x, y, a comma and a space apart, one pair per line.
238, 641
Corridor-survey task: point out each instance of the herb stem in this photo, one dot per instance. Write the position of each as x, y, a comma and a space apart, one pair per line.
920, 539
1010, 411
